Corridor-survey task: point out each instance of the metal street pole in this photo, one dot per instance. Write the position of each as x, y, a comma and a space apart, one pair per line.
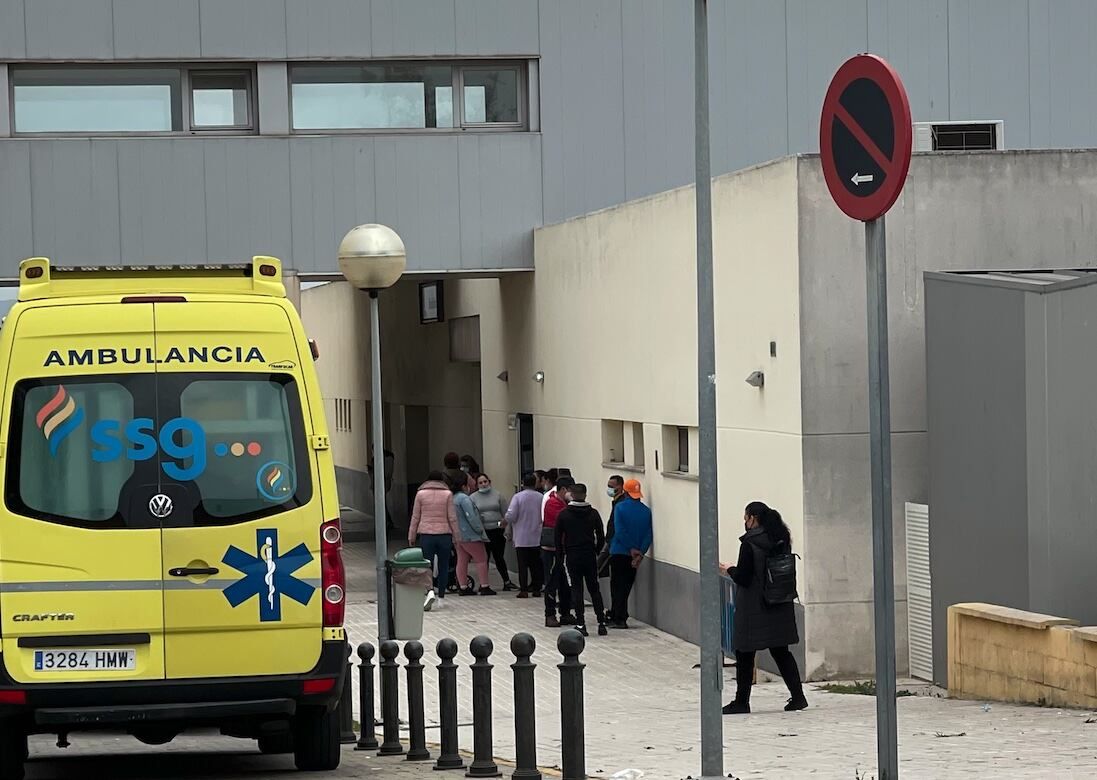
379, 525
708, 521
879, 404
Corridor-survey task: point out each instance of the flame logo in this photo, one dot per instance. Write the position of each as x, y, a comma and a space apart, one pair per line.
58, 418
274, 478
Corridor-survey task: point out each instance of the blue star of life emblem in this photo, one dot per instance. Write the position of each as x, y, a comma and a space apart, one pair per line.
269, 576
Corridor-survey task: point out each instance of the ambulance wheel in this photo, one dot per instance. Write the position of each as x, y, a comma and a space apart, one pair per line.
316, 739
13, 752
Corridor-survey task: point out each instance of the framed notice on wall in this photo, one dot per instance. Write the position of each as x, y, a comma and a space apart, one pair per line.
431, 302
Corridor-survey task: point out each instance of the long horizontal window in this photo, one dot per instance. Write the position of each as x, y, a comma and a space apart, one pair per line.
408, 96
130, 99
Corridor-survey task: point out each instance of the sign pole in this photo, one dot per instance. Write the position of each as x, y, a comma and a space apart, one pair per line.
879, 401
708, 521
380, 527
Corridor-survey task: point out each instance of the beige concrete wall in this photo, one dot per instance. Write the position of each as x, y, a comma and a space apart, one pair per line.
613, 304
1009, 655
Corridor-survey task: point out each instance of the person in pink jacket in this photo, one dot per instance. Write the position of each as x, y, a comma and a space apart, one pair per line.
434, 527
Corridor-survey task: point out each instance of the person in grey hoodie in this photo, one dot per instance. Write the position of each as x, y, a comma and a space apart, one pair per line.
470, 546
493, 510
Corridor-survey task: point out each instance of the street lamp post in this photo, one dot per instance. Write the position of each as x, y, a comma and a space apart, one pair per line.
372, 258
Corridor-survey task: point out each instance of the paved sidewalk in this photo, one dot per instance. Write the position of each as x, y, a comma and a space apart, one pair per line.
641, 708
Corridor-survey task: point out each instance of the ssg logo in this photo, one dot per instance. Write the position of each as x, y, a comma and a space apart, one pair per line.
58, 418
269, 576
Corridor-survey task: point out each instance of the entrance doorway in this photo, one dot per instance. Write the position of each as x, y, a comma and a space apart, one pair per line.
525, 445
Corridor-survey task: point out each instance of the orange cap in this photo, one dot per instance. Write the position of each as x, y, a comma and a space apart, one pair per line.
632, 487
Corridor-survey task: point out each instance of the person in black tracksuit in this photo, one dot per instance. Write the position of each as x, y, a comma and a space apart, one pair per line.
579, 534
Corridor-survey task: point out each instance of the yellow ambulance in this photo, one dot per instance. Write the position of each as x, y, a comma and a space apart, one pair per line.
170, 550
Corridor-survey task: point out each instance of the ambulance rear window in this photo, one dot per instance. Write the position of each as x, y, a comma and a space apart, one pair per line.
95, 452
255, 454
56, 475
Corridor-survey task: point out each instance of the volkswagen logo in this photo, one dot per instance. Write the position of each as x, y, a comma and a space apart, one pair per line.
160, 506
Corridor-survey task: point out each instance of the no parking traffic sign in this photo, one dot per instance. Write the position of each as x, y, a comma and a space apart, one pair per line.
865, 137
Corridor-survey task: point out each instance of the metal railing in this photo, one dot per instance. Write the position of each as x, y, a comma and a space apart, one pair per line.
727, 616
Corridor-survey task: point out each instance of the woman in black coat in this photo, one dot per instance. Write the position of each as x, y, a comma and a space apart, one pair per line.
759, 626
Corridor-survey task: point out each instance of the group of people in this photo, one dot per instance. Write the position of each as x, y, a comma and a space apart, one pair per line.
560, 541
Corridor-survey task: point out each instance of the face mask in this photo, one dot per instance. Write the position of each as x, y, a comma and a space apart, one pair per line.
486, 489
465, 469
611, 492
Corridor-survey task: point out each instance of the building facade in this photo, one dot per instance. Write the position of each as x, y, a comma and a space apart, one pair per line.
204, 130
532, 153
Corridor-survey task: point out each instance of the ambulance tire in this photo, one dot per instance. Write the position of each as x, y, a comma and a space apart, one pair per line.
13, 752
316, 739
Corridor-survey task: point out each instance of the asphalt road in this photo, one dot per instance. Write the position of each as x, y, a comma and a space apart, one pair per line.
198, 757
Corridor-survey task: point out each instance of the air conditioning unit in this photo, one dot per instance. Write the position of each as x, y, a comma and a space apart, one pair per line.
960, 136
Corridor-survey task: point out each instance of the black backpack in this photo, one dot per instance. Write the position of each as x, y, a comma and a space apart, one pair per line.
779, 580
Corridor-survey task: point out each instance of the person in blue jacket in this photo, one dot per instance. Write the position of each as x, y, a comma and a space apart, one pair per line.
631, 542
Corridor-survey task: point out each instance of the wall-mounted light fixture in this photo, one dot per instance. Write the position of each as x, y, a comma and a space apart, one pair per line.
503, 376
539, 377
757, 379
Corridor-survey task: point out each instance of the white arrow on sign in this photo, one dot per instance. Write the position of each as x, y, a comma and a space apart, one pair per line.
862, 178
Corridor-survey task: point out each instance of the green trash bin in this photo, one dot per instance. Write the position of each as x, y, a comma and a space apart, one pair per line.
410, 576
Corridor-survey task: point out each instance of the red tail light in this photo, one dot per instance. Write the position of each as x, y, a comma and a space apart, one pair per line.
333, 577
318, 685
13, 697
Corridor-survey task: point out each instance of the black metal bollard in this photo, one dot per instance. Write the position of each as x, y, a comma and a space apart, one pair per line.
448, 757
483, 763
417, 721
368, 734
572, 728
525, 713
390, 701
346, 707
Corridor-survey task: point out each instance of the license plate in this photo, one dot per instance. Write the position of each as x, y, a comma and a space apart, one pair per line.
90, 660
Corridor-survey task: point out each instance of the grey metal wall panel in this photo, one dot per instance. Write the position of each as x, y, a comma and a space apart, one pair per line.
500, 180
156, 29
74, 198
1062, 40
244, 28
329, 28
657, 97
416, 184
318, 201
1063, 527
12, 30
821, 36
410, 28
272, 95
493, 27
253, 175
913, 37
978, 502
988, 64
5, 104
749, 60
162, 201
63, 29
16, 212
583, 114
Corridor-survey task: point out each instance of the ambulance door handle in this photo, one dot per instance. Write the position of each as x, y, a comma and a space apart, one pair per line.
187, 571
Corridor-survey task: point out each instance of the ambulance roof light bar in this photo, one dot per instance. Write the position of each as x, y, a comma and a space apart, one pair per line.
39, 279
